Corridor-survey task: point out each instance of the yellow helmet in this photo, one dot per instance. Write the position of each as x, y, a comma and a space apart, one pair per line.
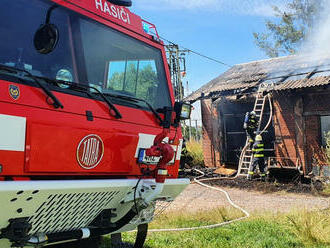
258, 137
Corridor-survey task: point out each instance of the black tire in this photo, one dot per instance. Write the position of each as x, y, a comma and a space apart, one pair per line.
141, 235
85, 243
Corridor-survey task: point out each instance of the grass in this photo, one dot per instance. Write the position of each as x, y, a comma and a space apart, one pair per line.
186, 219
195, 150
313, 228
298, 229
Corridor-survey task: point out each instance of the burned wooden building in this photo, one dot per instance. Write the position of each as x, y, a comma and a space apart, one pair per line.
296, 116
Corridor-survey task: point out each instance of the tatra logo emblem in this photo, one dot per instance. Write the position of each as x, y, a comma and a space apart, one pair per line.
90, 151
14, 91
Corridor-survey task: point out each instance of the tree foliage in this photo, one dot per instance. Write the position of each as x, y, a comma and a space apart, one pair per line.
139, 83
290, 29
195, 133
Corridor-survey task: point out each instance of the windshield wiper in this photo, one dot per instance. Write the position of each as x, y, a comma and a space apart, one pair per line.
135, 99
86, 86
56, 103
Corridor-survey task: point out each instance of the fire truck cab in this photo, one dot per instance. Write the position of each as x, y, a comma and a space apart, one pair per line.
89, 128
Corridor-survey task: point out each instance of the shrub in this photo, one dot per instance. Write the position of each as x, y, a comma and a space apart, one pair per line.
321, 155
312, 227
327, 148
195, 151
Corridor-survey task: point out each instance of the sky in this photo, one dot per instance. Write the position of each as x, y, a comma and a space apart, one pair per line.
221, 29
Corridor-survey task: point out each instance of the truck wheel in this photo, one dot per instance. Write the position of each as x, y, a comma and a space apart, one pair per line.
85, 243
116, 241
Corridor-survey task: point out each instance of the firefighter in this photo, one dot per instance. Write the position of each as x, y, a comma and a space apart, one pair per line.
184, 154
258, 158
251, 125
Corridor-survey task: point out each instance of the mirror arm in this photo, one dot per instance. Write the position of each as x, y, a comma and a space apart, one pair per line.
167, 117
49, 12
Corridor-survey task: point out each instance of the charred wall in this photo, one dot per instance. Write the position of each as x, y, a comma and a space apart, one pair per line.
297, 126
289, 128
210, 131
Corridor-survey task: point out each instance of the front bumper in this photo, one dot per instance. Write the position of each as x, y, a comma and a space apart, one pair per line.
58, 206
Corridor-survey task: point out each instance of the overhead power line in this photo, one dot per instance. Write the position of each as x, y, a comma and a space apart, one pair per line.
198, 53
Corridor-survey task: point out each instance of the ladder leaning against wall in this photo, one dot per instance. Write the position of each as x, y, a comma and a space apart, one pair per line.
246, 156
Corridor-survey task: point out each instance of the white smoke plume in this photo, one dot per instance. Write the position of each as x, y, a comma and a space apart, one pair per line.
317, 44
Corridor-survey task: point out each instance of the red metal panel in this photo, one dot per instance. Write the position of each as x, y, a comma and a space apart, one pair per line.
12, 162
53, 135
116, 14
54, 148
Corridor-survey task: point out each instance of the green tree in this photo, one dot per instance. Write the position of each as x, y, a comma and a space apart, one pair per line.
141, 83
116, 81
285, 35
195, 133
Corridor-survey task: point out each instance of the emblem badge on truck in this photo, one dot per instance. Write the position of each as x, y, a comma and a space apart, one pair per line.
14, 91
90, 151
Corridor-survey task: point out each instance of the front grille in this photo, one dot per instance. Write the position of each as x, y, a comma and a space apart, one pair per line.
66, 212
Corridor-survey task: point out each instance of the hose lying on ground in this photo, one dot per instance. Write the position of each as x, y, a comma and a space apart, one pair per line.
246, 213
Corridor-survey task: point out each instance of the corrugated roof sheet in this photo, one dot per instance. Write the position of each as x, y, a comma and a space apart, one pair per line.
281, 71
303, 83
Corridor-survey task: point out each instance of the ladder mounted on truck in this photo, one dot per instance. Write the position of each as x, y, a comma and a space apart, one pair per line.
246, 156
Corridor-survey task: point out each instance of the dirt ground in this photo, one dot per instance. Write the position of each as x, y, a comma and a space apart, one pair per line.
266, 187
197, 197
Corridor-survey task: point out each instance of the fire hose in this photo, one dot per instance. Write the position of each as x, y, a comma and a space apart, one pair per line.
246, 213
199, 181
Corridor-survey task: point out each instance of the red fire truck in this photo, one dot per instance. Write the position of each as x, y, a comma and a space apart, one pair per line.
89, 129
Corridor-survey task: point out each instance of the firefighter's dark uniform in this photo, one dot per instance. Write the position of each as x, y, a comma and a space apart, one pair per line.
250, 125
184, 154
258, 158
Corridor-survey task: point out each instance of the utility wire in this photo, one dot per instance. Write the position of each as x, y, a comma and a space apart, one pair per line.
197, 53
207, 57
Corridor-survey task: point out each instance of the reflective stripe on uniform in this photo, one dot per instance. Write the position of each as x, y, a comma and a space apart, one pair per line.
251, 173
258, 150
260, 145
259, 156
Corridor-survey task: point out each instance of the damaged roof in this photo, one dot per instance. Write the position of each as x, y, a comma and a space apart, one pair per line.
284, 73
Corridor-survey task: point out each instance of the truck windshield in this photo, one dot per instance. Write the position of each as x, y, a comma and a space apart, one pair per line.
87, 52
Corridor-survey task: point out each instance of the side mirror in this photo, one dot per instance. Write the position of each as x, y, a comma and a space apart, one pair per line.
182, 110
46, 38
126, 3
47, 35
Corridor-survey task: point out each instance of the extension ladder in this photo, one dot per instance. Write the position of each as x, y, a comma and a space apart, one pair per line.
246, 154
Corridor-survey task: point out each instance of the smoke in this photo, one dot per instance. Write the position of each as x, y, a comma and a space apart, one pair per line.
317, 44
313, 54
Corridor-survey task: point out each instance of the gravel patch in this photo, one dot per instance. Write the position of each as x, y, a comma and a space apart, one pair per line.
198, 198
